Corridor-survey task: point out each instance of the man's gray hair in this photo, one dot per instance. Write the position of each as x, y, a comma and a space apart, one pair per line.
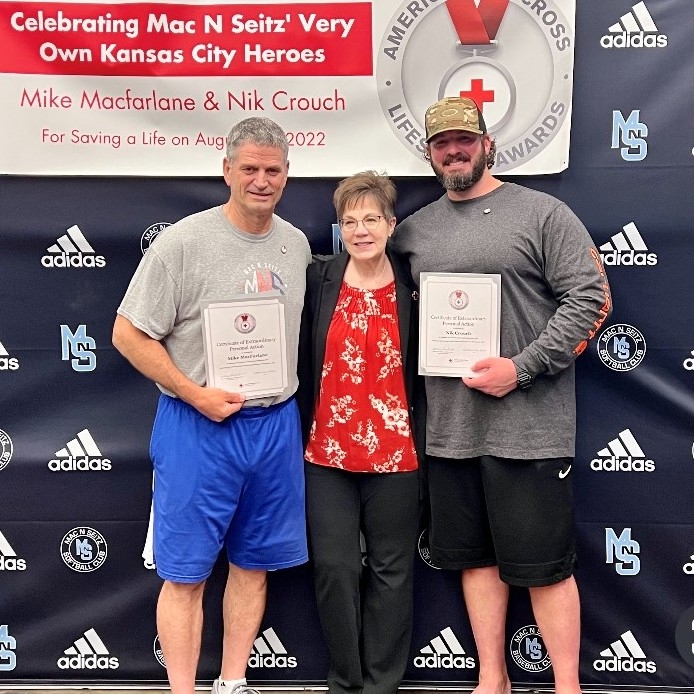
257, 131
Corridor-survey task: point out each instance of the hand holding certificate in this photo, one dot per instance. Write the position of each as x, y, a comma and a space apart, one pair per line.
459, 321
245, 345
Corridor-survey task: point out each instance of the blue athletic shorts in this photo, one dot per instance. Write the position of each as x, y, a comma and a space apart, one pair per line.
237, 484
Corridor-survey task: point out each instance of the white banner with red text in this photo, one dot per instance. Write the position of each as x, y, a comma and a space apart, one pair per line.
152, 88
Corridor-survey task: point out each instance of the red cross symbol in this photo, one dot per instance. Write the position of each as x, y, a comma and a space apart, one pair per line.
479, 94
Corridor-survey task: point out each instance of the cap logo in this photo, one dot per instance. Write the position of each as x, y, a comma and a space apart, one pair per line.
454, 113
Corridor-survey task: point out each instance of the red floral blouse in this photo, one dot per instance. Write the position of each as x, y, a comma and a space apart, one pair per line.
361, 421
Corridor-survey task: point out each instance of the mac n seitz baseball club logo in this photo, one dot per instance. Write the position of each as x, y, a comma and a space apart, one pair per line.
513, 57
528, 650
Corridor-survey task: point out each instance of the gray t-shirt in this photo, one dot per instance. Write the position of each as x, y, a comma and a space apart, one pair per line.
204, 258
554, 296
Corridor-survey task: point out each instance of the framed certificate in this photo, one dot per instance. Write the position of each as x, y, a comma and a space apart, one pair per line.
245, 345
459, 321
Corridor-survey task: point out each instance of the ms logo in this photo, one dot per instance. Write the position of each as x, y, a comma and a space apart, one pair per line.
79, 348
8, 658
533, 649
621, 347
623, 552
338, 245
629, 136
528, 650
83, 549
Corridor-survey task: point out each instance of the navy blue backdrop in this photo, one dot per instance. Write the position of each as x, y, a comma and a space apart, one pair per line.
76, 596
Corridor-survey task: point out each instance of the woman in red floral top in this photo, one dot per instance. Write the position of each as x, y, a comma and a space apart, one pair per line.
358, 384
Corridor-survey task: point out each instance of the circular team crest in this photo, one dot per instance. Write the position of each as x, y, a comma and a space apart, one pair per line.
244, 323
512, 50
83, 549
5, 449
621, 347
423, 547
158, 653
528, 649
458, 299
151, 233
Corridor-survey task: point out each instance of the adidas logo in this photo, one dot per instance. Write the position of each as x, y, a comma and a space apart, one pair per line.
72, 250
444, 651
81, 453
89, 652
624, 655
622, 454
635, 29
627, 248
269, 651
8, 557
7, 363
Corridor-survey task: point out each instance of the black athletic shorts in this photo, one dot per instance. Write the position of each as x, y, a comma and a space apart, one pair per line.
516, 514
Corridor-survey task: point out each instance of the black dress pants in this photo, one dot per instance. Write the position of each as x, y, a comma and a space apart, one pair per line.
365, 609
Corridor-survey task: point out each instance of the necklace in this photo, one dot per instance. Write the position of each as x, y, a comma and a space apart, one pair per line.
373, 282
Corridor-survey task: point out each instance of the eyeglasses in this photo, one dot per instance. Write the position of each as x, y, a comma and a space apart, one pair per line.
370, 222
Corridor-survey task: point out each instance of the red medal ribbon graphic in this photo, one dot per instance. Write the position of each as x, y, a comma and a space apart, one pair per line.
476, 24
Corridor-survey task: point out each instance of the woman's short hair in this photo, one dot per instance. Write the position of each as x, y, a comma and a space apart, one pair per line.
366, 184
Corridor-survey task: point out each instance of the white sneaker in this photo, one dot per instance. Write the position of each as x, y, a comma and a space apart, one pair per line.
217, 688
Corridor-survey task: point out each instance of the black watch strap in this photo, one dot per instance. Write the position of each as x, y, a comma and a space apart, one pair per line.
523, 379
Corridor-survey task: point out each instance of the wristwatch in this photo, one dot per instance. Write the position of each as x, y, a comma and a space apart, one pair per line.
523, 379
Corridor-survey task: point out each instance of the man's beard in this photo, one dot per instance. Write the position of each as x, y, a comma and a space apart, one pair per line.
459, 182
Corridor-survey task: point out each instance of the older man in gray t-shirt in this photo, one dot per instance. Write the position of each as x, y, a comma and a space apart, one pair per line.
228, 468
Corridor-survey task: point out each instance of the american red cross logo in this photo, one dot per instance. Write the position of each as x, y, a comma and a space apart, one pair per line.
479, 94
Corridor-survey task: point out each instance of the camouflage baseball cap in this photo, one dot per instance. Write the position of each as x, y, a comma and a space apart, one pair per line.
454, 113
